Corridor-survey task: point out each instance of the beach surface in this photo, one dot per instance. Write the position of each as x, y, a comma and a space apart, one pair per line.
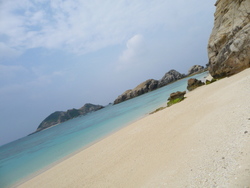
203, 141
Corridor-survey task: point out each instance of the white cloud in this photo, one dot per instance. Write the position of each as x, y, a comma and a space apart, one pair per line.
82, 26
131, 56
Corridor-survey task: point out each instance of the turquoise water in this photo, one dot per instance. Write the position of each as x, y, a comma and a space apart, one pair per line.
25, 157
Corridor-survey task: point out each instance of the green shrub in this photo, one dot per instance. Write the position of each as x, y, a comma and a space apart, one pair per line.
171, 102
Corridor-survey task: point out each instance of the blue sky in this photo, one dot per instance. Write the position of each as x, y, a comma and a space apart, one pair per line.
58, 55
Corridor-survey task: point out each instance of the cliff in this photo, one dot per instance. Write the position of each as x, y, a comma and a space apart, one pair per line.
229, 43
61, 116
149, 85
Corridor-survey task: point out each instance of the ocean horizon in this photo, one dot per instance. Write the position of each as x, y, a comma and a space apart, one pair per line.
26, 157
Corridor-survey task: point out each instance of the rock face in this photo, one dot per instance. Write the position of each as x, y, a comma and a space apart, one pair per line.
169, 77
176, 97
229, 43
61, 116
194, 83
196, 69
149, 85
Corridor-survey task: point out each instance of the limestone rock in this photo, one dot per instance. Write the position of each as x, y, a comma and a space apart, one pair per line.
229, 43
196, 69
61, 116
194, 83
170, 77
149, 85
176, 97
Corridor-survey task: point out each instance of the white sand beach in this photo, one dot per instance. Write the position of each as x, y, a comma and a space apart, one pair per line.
204, 141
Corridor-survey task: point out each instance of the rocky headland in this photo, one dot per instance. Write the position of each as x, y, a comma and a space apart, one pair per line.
169, 77
195, 69
150, 85
229, 43
62, 116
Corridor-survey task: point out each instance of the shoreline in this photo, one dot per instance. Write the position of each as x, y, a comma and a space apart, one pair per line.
43, 170
164, 148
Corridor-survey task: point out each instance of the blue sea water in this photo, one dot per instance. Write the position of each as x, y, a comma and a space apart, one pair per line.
27, 156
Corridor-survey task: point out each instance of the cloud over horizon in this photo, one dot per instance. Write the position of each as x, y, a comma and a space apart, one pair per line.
82, 26
130, 57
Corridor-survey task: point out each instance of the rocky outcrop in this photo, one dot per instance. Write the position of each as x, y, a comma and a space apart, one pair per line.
170, 77
176, 97
196, 69
149, 85
142, 88
193, 83
61, 116
229, 43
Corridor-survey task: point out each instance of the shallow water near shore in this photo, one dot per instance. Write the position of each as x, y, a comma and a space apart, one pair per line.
25, 157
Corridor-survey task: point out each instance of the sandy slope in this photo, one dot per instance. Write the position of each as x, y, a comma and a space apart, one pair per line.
203, 141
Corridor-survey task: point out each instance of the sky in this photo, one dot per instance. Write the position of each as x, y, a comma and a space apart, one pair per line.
57, 55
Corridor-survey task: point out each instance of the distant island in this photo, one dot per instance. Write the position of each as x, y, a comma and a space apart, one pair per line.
151, 84
61, 116
147, 86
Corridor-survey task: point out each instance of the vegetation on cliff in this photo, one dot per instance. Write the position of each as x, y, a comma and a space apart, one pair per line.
61, 116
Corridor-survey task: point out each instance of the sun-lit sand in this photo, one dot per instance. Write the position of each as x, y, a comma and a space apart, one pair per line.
203, 141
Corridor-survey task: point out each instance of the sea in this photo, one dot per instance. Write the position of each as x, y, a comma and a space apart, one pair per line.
25, 158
